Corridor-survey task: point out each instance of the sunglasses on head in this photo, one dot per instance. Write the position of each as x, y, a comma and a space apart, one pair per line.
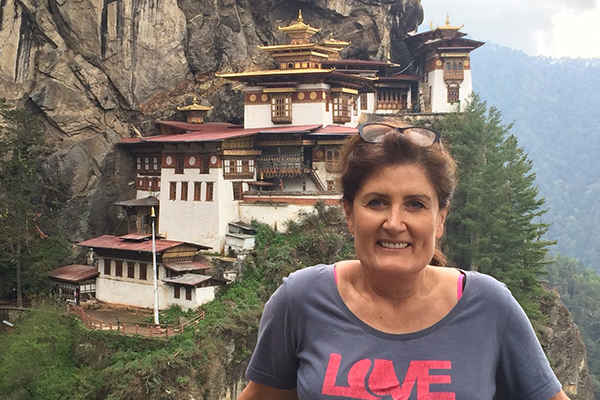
374, 132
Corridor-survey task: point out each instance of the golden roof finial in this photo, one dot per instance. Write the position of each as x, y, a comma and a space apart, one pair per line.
447, 19
300, 19
431, 25
195, 100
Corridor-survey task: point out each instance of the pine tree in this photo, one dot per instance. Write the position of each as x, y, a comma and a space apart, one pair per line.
29, 194
494, 226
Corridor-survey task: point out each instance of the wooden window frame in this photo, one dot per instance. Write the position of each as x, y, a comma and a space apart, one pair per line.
453, 94
188, 293
177, 291
172, 190
205, 165
143, 271
119, 268
342, 108
281, 108
184, 191
179, 164
210, 191
131, 270
107, 266
197, 191
238, 191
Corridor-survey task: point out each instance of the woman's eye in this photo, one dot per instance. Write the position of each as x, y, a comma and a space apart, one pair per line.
375, 203
416, 204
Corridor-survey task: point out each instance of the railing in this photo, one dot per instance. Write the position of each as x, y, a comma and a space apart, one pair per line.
144, 329
452, 75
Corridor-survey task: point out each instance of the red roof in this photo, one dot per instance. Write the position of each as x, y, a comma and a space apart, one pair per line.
187, 279
186, 266
221, 132
336, 130
118, 243
74, 273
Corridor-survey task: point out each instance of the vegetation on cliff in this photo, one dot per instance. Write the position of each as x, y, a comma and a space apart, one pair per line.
31, 194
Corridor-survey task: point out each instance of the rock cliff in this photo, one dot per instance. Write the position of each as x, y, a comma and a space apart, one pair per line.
565, 348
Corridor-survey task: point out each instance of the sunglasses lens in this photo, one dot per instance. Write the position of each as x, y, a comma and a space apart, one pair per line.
375, 132
421, 136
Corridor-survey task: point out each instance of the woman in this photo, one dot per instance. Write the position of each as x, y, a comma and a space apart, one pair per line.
392, 324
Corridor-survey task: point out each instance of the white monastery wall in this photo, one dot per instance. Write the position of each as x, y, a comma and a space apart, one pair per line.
274, 215
466, 88
257, 116
190, 220
123, 291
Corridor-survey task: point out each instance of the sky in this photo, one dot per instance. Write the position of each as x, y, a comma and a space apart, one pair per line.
553, 28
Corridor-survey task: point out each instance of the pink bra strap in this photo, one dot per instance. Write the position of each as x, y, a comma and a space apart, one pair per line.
459, 291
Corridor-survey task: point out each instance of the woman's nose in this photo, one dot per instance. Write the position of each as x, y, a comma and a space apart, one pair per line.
395, 221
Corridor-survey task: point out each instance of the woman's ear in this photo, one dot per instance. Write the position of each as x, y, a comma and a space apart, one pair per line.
348, 211
441, 220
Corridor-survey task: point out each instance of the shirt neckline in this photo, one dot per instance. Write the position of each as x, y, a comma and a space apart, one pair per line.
449, 317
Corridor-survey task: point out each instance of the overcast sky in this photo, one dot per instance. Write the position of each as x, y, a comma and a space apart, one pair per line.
554, 28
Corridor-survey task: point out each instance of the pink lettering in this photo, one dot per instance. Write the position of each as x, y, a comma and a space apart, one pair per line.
383, 381
356, 379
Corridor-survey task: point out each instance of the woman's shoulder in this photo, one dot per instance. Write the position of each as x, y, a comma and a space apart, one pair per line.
309, 276
486, 286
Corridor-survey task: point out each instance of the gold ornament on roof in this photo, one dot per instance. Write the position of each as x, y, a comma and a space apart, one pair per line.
194, 106
299, 32
448, 27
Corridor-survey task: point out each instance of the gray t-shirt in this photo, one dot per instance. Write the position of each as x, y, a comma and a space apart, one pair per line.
485, 348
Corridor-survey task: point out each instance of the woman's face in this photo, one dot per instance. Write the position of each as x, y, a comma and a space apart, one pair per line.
395, 219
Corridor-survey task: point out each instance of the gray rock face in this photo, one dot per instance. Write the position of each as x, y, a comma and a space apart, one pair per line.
565, 349
100, 70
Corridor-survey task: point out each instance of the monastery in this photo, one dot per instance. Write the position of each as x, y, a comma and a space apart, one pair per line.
208, 181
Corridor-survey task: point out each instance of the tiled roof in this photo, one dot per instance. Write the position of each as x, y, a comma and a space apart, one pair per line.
74, 273
212, 134
118, 243
187, 279
186, 266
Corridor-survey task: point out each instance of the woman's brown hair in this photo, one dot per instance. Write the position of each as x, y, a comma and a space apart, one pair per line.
361, 159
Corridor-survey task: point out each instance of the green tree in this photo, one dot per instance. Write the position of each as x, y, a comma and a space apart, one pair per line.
493, 227
30, 194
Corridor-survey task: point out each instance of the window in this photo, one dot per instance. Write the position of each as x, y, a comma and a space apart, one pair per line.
363, 101
173, 191
205, 165
342, 108
184, 191
118, 268
237, 190
281, 109
143, 271
188, 293
197, 191
179, 163
107, 262
238, 169
176, 290
130, 270
453, 94
209, 190
147, 164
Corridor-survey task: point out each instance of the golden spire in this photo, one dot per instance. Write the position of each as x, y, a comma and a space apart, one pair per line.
300, 19
447, 27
